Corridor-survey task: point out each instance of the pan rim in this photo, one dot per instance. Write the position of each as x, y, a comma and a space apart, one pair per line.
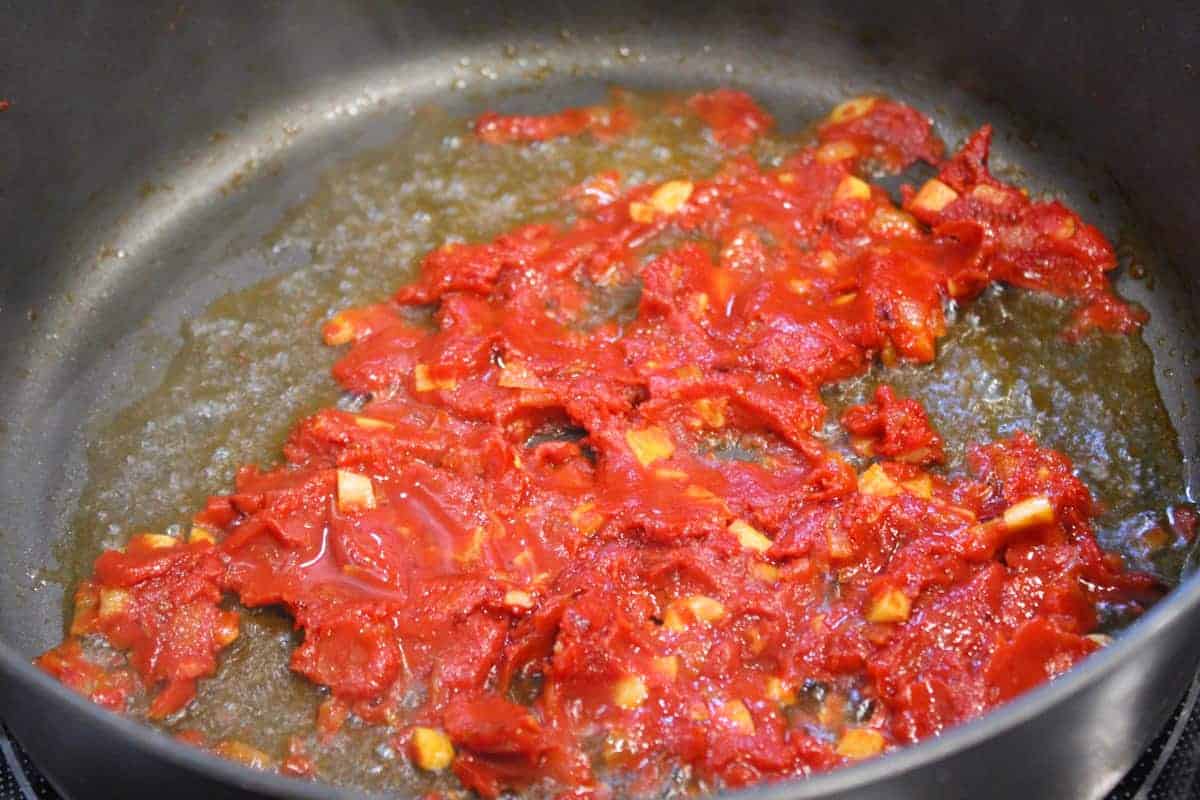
1169, 612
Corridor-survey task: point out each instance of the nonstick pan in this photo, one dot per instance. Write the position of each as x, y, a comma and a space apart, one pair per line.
147, 148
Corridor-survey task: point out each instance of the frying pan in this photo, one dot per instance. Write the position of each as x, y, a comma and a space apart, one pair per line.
110, 97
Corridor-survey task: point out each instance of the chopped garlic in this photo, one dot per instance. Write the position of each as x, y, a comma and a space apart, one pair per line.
697, 492
671, 196
860, 743
749, 536
665, 474
892, 605
863, 445
1065, 229
518, 599
630, 692
832, 152
735, 712
650, 444
370, 423
113, 602
780, 692
354, 492
1028, 513
586, 519
800, 286
711, 410
431, 749
921, 486
641, 212
338, 330
845, 299
86, 601
852, 188
666, 199
767, 573
516, 375
827, 261
157, 541
989, 194
852, 109
877, 483
934, 196
243, 754
701, 607
667, 666
425, 382
890, 221
198, 534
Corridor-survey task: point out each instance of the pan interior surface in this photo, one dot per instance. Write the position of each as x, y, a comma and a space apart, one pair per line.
189, 241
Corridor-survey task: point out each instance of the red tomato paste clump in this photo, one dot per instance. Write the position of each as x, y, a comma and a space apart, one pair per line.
735, 118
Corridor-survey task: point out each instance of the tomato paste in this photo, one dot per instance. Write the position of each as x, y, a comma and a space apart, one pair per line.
563, 551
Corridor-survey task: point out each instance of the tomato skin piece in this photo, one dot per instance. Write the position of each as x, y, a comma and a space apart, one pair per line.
891, 133
356, 658
67, 663
604, 122
898, 427
496, 727
1039, 245
496, 129
161, 605
1037, 652
735, 118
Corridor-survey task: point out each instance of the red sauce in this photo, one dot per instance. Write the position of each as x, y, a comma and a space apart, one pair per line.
603, 122
629, 595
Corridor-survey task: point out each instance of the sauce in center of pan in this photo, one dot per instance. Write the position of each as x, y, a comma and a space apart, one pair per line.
723, 466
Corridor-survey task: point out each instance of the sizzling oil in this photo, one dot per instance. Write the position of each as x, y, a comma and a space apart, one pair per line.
252, 363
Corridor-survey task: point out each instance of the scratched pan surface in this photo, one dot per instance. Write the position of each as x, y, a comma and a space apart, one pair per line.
148, 153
